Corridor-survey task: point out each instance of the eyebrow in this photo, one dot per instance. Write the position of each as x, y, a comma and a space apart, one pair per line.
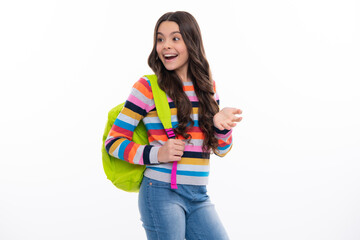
170, 33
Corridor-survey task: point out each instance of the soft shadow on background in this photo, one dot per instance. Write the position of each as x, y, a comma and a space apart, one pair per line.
291, 66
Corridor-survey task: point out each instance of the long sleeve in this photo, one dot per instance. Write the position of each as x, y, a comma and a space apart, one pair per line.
119, 141
224, 136
225, 141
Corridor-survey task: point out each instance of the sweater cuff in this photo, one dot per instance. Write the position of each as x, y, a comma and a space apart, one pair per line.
222, 132
151, 155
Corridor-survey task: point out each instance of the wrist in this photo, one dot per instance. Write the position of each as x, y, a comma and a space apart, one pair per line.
222, 132
159, 154
153, 156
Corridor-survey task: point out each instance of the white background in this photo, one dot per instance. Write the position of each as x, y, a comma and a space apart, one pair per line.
291, 66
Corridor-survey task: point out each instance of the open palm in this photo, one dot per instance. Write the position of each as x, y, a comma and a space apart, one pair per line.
226, 118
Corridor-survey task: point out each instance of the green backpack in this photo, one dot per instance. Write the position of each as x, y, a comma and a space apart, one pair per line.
122, 174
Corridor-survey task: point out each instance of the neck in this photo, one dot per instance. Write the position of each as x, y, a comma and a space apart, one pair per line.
183, 74
184, 78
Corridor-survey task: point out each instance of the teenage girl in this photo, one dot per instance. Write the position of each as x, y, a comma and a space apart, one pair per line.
183, 210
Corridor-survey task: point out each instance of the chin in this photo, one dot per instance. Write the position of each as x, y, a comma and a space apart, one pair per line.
169, 68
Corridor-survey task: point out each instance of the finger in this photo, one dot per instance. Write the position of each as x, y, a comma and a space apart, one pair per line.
237, 119
226, 126
178, 150
237, 111
173, 143
175, 158
179, 142
178, 153
175, 149
232, 124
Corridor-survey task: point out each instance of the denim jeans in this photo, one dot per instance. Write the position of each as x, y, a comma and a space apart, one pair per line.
176, 214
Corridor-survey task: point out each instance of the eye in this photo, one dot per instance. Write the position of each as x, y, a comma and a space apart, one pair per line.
159, 40
176, 39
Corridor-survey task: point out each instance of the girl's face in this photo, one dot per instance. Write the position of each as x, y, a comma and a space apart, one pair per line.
171, 48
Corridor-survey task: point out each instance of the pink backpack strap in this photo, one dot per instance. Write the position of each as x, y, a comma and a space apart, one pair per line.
164, 113
173, 176
171, 135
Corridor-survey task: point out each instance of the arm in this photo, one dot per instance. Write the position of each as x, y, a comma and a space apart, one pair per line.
224, 121
119, 141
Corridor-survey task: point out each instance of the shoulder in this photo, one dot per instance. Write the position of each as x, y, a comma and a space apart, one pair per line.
143, 84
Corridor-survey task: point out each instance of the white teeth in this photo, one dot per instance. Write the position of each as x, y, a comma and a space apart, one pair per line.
170, 55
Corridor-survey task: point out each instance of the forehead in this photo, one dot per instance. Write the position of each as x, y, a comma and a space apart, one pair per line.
168, 27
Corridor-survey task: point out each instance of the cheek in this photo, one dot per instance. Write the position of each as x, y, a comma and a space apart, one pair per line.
185, 54
184, 51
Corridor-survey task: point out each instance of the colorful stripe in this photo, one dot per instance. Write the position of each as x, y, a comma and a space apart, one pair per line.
193, 168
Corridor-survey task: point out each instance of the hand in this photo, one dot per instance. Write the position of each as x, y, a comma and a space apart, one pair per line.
226, 118
171, 151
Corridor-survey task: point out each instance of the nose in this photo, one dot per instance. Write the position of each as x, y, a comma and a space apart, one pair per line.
167, 44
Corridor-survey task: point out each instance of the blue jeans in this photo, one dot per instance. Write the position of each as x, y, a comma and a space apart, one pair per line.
176, 214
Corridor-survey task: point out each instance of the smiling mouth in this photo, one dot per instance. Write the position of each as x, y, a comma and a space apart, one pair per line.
170, 57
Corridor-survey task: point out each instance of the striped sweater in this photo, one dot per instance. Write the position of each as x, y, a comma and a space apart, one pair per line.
193, 168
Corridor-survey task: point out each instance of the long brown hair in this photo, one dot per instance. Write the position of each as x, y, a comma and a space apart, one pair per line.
199, 73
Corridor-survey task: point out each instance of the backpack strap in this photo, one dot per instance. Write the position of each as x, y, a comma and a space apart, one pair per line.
164, 113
